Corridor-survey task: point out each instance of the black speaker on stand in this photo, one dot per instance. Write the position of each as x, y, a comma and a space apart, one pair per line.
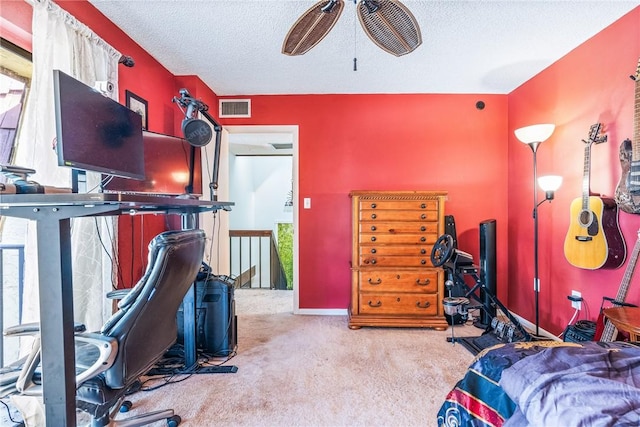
488, 274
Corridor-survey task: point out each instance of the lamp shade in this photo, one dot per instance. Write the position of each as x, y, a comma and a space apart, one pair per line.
550, 182
535, 133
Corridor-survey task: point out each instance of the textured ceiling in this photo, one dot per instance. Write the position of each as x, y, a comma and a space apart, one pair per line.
476, 46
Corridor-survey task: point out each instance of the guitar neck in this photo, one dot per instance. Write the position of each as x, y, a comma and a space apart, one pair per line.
586, 177
635, 143
609, 332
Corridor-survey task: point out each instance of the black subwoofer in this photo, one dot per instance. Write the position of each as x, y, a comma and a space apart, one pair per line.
488, 271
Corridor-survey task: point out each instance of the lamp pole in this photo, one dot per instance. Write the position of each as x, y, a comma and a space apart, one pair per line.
533, 136
536, 278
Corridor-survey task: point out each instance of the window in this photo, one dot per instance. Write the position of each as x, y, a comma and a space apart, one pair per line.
15, 75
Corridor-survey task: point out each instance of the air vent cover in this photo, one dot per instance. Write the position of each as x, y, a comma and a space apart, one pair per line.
235, 108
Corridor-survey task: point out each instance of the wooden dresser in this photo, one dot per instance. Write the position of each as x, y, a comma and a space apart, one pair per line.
393, 282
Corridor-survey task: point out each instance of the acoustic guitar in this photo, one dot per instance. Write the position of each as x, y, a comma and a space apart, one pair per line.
627, 194
608, 331
594, 239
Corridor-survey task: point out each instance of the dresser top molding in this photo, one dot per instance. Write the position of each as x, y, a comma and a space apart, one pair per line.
404, 195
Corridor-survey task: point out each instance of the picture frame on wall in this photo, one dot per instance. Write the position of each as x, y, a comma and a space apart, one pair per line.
139, 105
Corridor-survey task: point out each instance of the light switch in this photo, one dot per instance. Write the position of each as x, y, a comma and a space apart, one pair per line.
307, 202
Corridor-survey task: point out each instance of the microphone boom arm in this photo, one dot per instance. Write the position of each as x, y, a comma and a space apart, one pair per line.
192, 105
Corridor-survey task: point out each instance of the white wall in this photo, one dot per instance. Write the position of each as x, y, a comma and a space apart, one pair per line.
263, 181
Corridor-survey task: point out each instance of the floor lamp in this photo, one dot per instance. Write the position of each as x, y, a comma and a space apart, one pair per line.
533, 136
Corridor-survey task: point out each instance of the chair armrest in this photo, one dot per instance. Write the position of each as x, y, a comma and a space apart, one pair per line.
118, 293
33, 328
108, 347
22, 330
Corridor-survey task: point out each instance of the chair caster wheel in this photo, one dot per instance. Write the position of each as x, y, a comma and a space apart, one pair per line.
174, 421
125, 406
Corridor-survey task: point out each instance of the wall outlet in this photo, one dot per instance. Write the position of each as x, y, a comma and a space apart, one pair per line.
576, 304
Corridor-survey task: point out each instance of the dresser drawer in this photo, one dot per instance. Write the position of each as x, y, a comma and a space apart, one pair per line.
377, 281
383, 250
422, 205
416, 304
399, 227
404, 238
399, 215
395, 261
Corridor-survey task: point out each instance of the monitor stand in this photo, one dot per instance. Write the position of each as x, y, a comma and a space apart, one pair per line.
78, 181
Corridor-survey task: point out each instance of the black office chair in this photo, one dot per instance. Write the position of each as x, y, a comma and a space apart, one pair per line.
134, 338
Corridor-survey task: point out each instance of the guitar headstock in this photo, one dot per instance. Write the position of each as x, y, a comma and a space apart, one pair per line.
594, 134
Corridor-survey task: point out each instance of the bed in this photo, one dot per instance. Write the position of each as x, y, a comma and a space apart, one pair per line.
548, 383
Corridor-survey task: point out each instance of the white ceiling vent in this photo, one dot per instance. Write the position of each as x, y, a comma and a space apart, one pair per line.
235, 108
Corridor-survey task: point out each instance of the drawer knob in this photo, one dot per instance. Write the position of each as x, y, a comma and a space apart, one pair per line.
423, 228
373, 216
373, 206
423, 251
425, 305
423, 239
373, 261
377, 304
373, 238
423, 261
373, 228
423, 283
423, 206
374, 250
423, 216
377, 282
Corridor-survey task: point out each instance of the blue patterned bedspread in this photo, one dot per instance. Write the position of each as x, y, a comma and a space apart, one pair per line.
479, 400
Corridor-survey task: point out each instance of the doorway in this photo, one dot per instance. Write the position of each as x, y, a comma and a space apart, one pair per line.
263, 182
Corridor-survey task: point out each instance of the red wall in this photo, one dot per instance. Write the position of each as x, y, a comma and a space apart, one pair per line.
589, 85
388, 142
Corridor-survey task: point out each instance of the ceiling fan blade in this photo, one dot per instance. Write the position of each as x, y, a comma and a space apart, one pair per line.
312, 27
390, 25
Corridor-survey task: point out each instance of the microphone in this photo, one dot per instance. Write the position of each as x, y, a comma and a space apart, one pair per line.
197, 132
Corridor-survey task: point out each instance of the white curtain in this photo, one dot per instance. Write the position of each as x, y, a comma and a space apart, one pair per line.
62, 42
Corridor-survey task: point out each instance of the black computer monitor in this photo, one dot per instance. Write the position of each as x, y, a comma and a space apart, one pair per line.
94, 132
167, 160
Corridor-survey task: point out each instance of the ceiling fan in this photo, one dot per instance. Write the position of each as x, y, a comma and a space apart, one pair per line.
388, 23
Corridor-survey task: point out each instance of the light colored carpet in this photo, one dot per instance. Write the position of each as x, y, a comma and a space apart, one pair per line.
300, 370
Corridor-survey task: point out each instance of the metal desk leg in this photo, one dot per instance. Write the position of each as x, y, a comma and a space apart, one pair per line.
56, 321
189, 327
189, 222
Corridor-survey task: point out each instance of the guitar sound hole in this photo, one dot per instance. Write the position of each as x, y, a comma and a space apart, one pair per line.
586, 217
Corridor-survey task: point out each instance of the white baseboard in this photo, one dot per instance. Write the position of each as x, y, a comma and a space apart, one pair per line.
322, 311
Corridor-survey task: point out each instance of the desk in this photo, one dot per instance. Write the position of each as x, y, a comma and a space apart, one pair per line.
52, 213
625, 319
